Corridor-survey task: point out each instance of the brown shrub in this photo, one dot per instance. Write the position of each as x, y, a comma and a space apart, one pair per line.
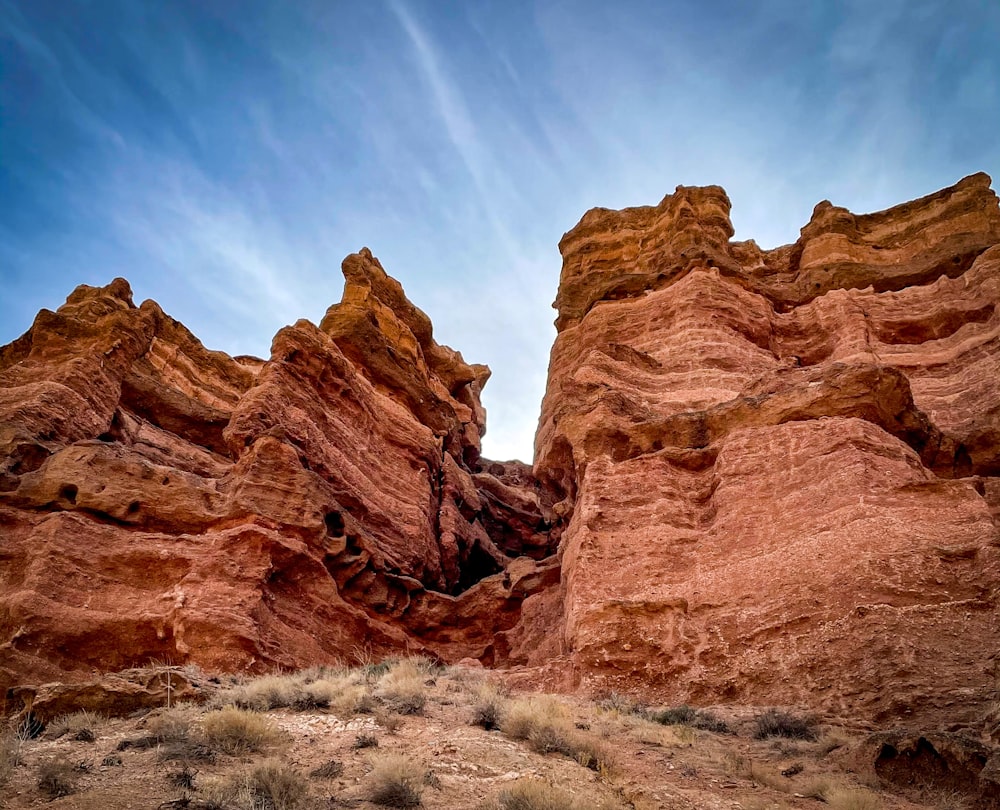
395, 781
237, 731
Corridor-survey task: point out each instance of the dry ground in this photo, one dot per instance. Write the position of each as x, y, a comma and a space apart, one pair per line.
405, 734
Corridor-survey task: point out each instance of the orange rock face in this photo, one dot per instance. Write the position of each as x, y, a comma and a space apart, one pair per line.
760, 476
161, 502
778, 469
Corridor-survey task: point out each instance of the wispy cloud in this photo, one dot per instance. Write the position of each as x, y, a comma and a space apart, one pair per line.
226, 162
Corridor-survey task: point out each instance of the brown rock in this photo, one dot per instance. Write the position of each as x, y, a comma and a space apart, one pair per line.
161, 502
776, 467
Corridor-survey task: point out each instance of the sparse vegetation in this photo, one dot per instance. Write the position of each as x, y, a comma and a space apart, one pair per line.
238, 731
533, 794
171, 725
276, 785
80, 726
364, 740
328, 770
403, 688
853, 799
327, 744
488, 711
776, 723
57, 777
10, 755
395, 781
689, 716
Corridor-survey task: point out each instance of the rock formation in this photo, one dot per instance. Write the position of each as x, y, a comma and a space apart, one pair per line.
161, 502
766, 476
778, 469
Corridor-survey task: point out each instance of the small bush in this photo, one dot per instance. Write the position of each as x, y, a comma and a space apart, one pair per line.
395, 781
403, 687
365, 740
689, 716
183, 779
522, 716
388, 720
10, 755
488, 712
80, 726
533, 794
617, 702
775, 723
262, 694
277, 785
676, 716
57, 777
187, 751
170, 725
237, 731
328, 770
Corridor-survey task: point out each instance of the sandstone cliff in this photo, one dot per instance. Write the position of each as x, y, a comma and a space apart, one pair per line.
161, 502
778, 469
766, 476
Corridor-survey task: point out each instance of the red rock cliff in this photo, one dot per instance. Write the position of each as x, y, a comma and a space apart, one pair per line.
159, 501
772, 476
778, 469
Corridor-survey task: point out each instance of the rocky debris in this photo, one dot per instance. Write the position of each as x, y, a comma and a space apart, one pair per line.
939, 763
776, 470
159, 501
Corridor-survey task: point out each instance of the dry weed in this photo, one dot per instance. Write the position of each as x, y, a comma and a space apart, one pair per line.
238, 731
533, 794
395, 781
276, 785
403, 688
776, 723
57, 777
10, 755
171, 725
80, 726
853, 799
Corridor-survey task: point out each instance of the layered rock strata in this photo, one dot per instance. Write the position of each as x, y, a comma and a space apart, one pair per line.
778, 468
162, 502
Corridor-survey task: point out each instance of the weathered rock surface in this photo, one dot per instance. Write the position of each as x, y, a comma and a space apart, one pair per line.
778, 469
772, 476
161, 502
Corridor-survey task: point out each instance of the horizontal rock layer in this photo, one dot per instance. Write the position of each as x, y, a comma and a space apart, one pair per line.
778, 469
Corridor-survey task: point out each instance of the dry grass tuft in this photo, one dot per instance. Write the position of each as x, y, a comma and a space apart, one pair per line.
81, 726
171, 725
364, 740
533, 794
522, 716
689, 716
237, 731
489, 709
56, 777
276, 785
10, 755
776, 723
853, 799
328, 770
395, 781
403, 688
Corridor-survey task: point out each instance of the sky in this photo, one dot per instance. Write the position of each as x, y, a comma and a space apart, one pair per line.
225, 155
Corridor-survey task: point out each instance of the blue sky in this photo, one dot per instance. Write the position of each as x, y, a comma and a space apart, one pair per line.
225, 155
